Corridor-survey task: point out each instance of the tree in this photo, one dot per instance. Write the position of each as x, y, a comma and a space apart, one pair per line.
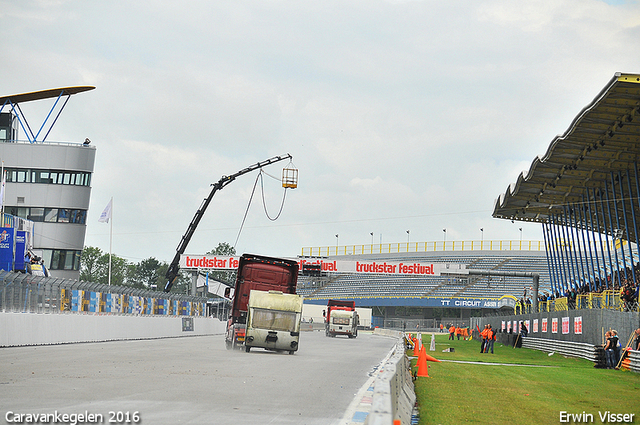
89, 266
118, 270
94, 267
145, 274
228, 276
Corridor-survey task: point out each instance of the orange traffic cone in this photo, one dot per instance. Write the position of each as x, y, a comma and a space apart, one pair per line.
416, 349
431, 359
422, 364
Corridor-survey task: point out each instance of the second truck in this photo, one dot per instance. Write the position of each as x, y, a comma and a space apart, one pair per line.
341, 318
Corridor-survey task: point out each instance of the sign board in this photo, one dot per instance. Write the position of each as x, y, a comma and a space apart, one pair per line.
7, 240
221, 262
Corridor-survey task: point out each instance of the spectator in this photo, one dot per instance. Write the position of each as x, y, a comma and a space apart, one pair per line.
616, 346
608, 351
636, 342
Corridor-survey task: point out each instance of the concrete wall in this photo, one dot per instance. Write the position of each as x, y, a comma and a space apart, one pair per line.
18, 329
594, 324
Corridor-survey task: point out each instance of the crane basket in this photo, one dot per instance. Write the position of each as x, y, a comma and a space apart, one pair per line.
290, 176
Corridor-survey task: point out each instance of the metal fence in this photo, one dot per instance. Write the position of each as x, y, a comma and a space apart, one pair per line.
26, 293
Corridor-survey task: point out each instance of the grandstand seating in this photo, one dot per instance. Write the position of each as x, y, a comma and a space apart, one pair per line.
351, 285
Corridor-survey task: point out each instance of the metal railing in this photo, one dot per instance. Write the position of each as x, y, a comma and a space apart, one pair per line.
25, 293
609, 300
434, 246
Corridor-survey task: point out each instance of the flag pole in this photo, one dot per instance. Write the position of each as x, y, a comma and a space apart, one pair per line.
110, 239
2, 200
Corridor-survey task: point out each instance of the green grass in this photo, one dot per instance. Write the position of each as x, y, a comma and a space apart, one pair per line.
458, 393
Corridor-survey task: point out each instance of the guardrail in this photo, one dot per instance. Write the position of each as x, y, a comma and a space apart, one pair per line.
582, 350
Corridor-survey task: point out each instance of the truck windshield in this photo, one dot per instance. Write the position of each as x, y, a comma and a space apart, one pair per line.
273, 320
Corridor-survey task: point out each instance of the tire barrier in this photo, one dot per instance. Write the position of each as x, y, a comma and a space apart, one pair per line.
393, 391
634, 361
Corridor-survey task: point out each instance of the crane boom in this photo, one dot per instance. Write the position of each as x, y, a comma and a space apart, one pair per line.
174, 267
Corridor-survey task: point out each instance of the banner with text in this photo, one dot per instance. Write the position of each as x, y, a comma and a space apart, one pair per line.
221, 262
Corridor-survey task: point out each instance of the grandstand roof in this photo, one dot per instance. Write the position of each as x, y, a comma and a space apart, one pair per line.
604, 138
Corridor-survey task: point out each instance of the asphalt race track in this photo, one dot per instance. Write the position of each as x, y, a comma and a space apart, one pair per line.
191, 380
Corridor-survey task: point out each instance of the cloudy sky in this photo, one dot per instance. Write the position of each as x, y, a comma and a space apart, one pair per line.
399, 115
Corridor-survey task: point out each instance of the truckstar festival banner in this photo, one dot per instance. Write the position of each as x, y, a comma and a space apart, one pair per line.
220, 262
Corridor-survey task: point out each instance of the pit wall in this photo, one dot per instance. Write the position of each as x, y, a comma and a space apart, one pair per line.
20, 329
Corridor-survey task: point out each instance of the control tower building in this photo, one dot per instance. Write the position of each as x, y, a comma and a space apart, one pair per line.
47, 182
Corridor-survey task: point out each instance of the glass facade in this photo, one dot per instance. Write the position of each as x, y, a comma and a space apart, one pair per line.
27, 175
49, 215
61, 259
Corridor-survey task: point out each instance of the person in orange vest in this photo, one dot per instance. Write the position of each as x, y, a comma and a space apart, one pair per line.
458, 332
441, 327
452, 331
483, 334
465, 333
491, 337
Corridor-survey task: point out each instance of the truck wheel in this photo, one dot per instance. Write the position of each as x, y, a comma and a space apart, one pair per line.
247, 348
291, 352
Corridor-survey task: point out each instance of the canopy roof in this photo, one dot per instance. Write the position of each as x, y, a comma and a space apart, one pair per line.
44, 94
604, 138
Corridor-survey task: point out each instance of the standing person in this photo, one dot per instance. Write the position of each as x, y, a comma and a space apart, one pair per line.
523, 330
452, 331
491, 336
441, 327
483, 335
458, 332
608, 351
636, 342
616, 348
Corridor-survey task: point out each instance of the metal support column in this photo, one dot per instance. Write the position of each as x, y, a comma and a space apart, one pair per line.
626, 227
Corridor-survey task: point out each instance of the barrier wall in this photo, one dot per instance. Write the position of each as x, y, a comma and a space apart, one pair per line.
393, 394
19, 329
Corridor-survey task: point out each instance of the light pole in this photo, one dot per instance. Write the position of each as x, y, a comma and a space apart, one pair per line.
407, 239
371, 238
520, 228
444, 240
336, 241
481, 237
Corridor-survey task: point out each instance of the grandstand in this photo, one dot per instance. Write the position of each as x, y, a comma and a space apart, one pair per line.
386, 290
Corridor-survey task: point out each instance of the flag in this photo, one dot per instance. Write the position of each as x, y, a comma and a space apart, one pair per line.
106, 214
